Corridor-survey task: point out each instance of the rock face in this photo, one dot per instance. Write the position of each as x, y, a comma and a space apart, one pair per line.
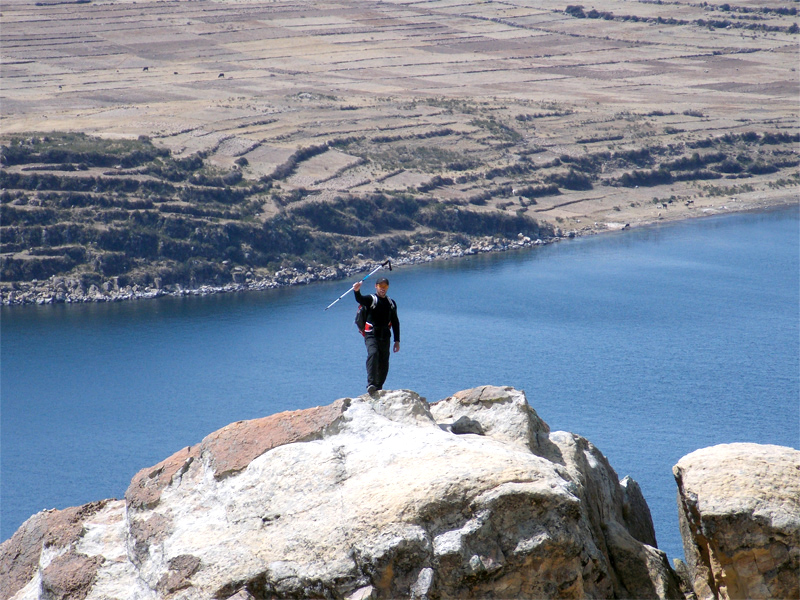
739, 510
370, 497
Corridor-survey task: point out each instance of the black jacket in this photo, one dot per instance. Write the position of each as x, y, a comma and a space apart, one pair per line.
381, 315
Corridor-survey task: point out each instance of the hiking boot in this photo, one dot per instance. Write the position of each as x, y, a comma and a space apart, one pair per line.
371, 389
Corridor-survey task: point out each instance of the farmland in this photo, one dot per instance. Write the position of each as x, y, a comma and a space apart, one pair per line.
185, 142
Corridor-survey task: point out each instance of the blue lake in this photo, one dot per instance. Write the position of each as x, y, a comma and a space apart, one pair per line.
651, 343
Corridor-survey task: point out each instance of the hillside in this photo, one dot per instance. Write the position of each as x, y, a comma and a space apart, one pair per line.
126, 213
186, 144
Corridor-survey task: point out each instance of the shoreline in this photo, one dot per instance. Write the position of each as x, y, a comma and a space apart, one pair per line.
55, 290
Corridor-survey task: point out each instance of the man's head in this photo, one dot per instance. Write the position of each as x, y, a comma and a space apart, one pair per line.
381, 286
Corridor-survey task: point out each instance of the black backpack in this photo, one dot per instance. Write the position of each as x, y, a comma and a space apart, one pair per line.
361, 318
361, 313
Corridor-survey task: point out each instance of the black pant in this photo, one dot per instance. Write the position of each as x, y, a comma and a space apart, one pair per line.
378, 345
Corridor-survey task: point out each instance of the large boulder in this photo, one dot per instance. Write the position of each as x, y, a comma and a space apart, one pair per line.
739, 511
370, 497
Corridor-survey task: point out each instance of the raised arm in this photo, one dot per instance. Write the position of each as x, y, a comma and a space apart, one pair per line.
360, 298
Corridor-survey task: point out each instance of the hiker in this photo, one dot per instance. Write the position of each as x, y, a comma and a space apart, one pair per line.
381, 321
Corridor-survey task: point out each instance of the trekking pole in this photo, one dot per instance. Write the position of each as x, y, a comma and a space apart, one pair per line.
383, 265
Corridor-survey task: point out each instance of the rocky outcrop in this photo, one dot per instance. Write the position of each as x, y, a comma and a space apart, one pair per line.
739, 510
370, 497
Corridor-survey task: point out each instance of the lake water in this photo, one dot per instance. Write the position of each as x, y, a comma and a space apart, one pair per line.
651, 343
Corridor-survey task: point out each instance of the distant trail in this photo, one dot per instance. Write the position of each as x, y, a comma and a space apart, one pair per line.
567, 204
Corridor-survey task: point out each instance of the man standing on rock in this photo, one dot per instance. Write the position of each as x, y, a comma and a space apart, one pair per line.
381, 321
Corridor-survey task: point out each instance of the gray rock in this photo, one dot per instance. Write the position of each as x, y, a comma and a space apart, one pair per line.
466, 425
636, 512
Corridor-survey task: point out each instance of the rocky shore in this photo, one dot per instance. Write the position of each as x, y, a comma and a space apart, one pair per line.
64, 290
67, 290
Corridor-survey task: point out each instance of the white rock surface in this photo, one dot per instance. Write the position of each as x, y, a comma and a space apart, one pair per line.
365, 498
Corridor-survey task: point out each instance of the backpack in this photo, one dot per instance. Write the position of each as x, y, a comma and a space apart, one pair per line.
361, 318
361, 313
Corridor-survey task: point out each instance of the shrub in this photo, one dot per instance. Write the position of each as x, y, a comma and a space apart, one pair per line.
729, 166
761, 168
645, 178
537, 191
696, 174
285, 169
480, 199
435, 182
571, 180
575, 10
232, 178
641, 157
497, 129
113, 263
466, 221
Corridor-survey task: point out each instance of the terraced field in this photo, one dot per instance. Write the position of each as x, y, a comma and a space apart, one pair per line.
300, 134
